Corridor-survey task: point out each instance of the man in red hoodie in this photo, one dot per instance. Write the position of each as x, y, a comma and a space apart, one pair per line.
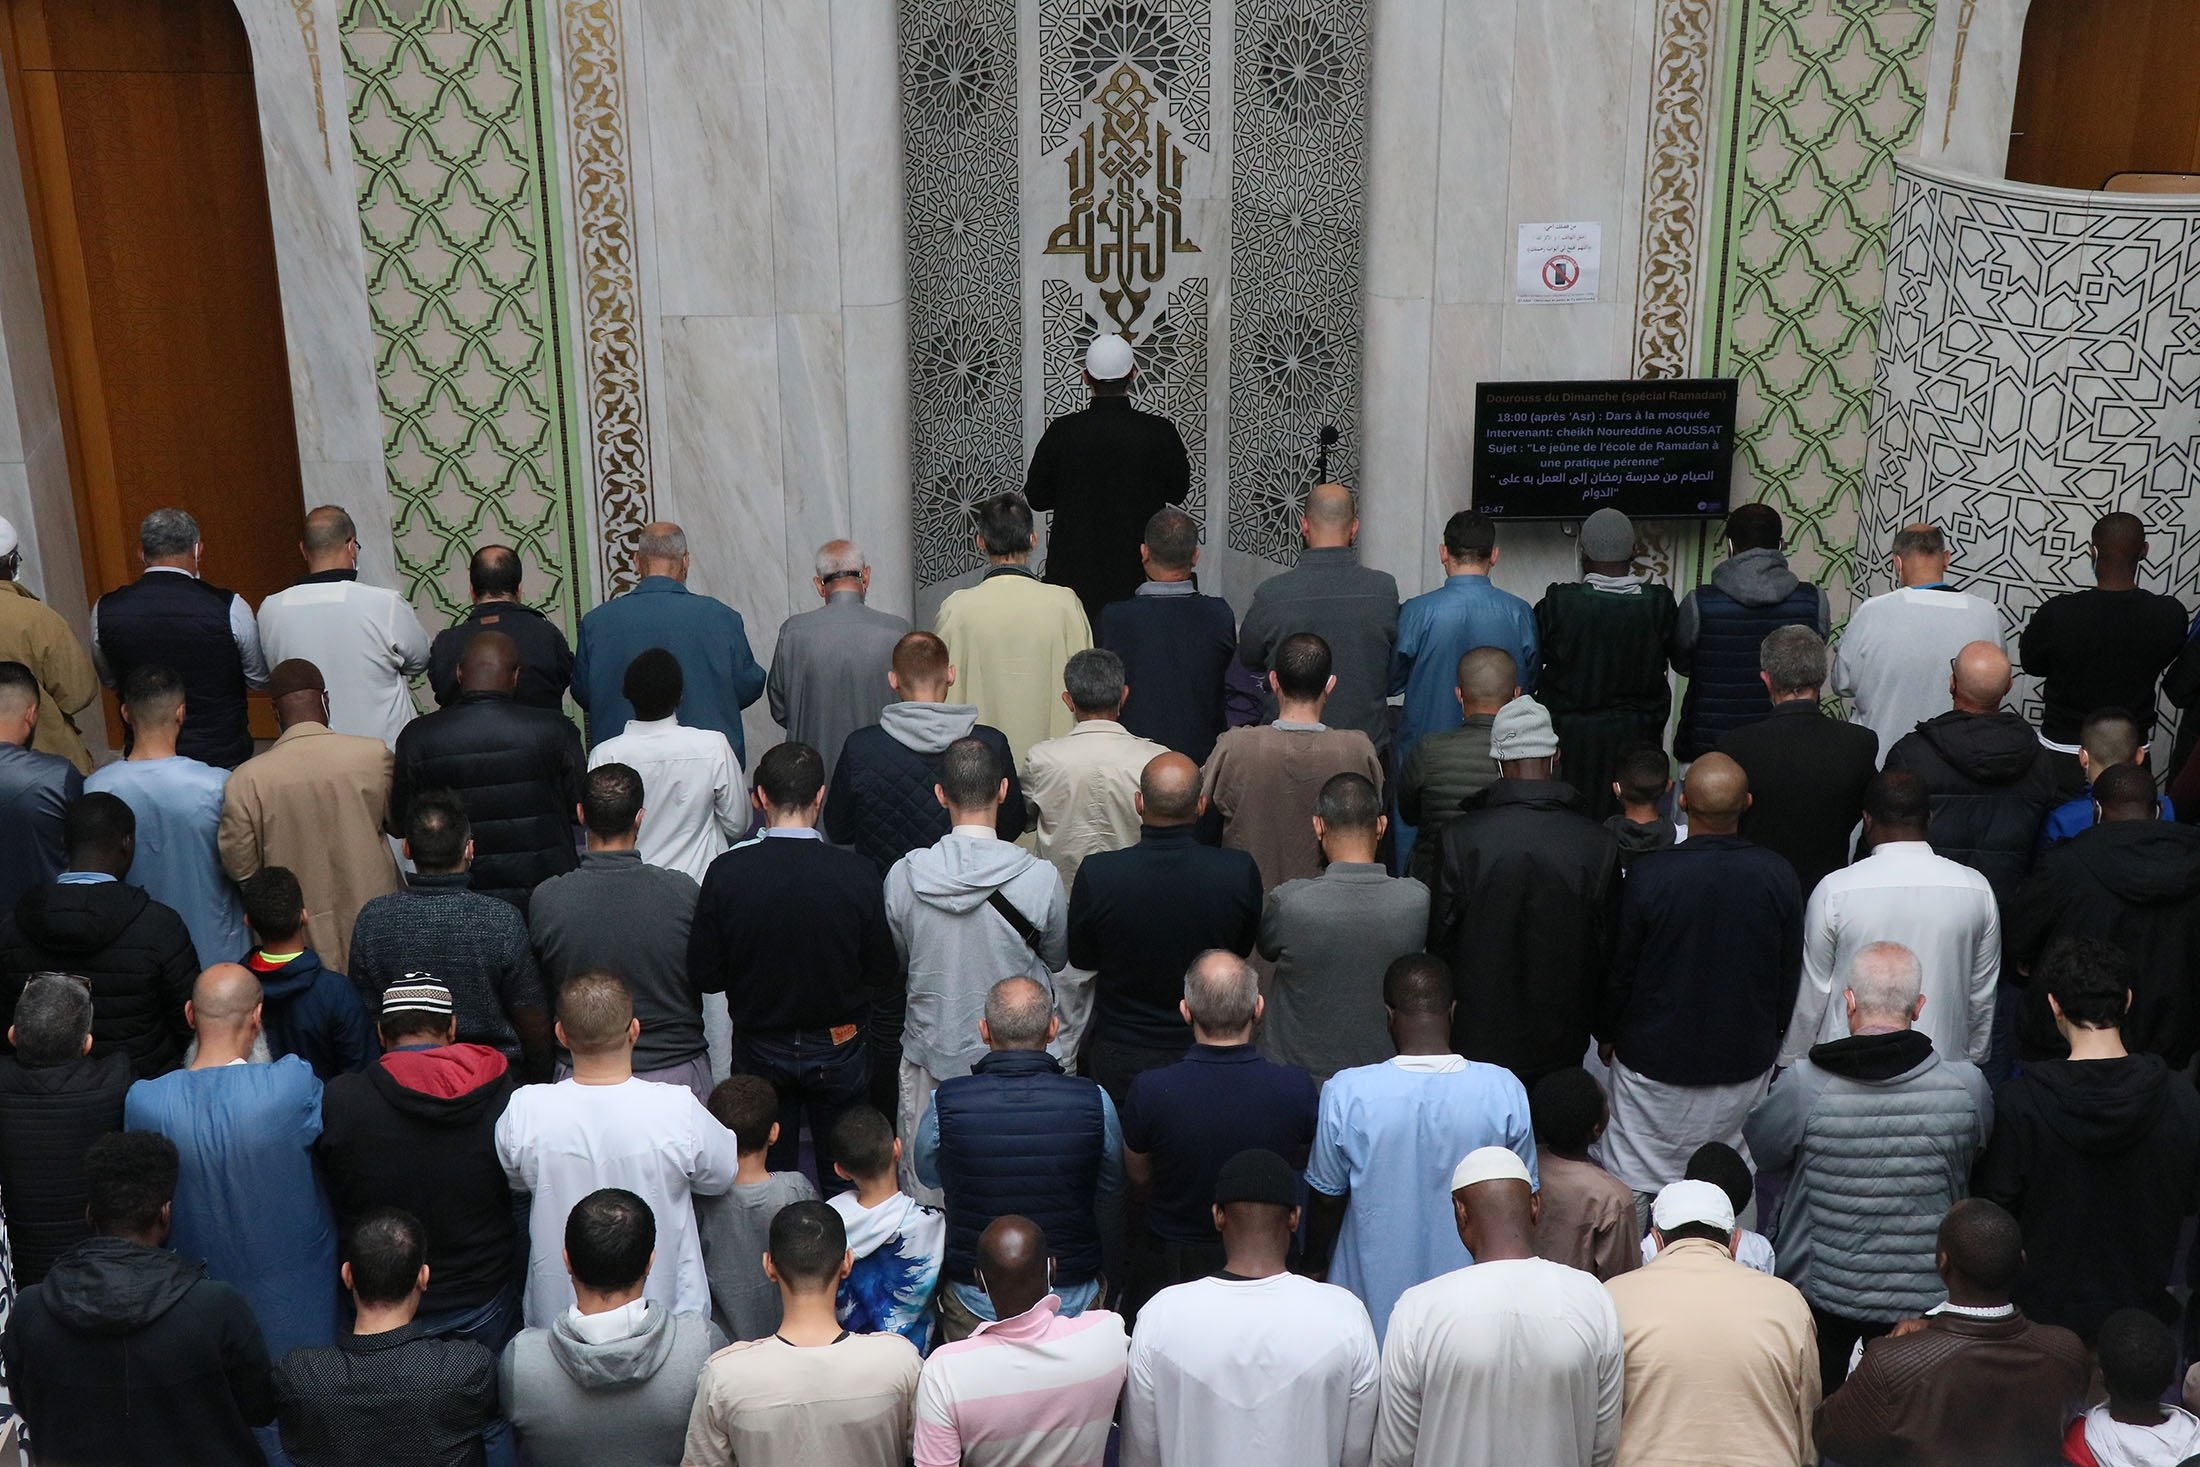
417, 1131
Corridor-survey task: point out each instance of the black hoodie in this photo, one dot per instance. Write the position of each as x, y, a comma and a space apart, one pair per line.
2135, 883
135, 953
128, 1355
2100, 1162
1992, 786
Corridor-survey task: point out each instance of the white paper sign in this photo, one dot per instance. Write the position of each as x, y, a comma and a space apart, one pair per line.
1558, 264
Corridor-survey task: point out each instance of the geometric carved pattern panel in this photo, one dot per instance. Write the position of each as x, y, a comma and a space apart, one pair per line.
1082, 41
959, 123
1829, 91
1675, 161
2038, 366
1298, 199
457, 204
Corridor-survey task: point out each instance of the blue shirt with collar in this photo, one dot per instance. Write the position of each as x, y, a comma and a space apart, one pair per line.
708, 637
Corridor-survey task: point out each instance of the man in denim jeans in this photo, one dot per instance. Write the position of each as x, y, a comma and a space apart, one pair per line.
793, 932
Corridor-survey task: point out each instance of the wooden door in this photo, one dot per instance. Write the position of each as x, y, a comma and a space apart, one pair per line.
140, 138
2107, 87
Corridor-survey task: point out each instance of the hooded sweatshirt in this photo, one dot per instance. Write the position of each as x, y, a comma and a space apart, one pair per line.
2098, 1439
956, 946
128, 1356
579, 1398
135, 953
1991, 786
898, 1246
2100, 1162
1717, 635
881, 802
314, 1013
2135, 883
418, 1130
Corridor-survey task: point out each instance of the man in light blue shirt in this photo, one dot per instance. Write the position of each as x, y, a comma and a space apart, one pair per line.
178, 804
1437, 628
1388, 1138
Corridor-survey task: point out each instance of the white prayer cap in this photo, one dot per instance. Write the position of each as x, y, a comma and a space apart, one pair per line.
8, 539
1108, 359
1682, 1203
1489, 1164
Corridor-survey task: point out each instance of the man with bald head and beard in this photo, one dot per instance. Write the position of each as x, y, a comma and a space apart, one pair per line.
1710, 948
517, 770
247, 1200
1139, 916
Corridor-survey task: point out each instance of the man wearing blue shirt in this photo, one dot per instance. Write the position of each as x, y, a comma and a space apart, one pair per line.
2110, 737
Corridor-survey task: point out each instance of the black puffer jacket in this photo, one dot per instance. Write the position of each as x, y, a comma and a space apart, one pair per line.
519, 771
882, 805
49, 1117
135, 953
1991, 785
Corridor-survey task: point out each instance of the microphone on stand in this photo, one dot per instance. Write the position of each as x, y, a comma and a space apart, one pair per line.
1329, 437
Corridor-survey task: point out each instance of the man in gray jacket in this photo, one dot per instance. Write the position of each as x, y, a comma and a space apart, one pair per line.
1876, 1134
968, 911
613, 1378
828, 675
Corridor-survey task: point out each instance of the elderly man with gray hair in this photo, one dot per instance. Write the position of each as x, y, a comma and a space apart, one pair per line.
1877, 1133
55, 1101
1806, 771
828, 675
1183, 1121
1084, 785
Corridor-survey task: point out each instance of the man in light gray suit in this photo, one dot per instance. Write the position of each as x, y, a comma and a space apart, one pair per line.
828, 675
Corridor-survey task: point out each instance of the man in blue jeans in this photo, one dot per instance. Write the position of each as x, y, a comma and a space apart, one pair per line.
793, 932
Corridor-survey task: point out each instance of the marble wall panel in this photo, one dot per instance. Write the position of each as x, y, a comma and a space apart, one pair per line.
709, 156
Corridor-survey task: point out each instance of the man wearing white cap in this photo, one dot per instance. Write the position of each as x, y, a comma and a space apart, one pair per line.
1103, 470
1512, 1359
1722, 1361
34, 634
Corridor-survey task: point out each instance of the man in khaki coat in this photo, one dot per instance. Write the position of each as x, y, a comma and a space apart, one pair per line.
35, 635
318, 803
1011, 634
1085, 783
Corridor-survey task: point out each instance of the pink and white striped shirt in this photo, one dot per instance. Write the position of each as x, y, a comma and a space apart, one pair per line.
1037, 1390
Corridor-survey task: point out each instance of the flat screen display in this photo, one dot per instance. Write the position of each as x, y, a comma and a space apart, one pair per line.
1659, 450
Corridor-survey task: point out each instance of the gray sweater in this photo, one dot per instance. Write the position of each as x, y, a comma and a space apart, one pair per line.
578, 1404
620, 913
1332, 937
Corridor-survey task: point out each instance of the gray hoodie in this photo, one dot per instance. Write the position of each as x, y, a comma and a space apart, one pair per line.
956, 946
1754, 578
577, 1404
928, 728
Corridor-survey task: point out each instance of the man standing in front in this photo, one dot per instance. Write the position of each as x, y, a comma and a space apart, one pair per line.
1102, 471
1722, 1368
1389, 1135
1806, 771
1010, 634
705, 634
1895, 650
207, 634
606, 1128
1351, 607
37, 636
828, 675
1512, 1359
1703, 980
366, 640
1721, 626
1085, 783
1177, 644
317, 802
1526, 906
35, 789
545, 661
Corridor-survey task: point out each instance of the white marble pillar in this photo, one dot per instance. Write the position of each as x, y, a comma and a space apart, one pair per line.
1971, 85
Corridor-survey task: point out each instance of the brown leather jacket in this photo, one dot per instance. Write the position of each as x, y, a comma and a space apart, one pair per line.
1957, 1393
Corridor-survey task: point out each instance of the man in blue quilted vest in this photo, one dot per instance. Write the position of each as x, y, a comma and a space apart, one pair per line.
1751, 594
1018, 1137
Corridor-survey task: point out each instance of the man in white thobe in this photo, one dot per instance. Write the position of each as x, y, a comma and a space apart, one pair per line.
692, 785
367, 640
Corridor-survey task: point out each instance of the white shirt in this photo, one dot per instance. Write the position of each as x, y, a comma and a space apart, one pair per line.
1892, 664
1281, 1372
561, 1142
366, 640
695, 800
1939, 909
1500, 1364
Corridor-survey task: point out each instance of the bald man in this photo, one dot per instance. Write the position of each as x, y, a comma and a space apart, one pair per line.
546, 661
1990, 782
2104, 647
247, 1199
1349, 606
1084, 785
828, 675
1710, 950
367, 640
1892, 664
317, 802
518, 771
708, 636
1138, 917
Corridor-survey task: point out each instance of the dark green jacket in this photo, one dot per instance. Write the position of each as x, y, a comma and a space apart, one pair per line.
1443, 772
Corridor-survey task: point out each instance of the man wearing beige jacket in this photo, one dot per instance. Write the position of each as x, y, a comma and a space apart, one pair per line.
318, 803
1011, 633
35, 635
1085, 783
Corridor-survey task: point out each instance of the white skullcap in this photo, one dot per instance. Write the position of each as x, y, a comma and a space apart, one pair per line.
1489, 1164
1108, 359
1682, 1203
8, 539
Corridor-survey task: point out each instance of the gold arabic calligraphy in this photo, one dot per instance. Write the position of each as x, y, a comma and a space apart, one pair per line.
1126, 200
